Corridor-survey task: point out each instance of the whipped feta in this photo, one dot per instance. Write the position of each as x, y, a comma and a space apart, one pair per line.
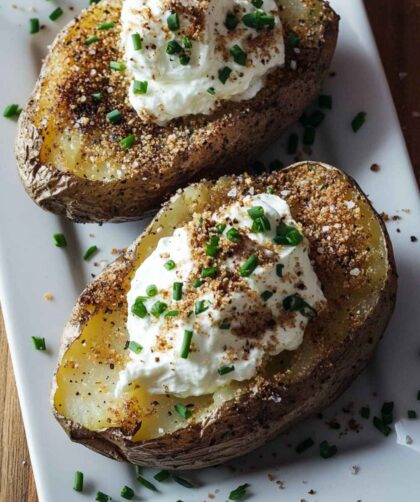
244, 297
191, 54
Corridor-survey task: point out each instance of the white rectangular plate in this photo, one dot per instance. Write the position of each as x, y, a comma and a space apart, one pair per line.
30, 265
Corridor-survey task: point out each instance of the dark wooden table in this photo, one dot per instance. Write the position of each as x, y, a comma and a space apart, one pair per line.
396, 25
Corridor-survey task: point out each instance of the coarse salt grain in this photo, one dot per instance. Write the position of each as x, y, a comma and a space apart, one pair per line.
285, 192
350, 204
232, 192
355, 272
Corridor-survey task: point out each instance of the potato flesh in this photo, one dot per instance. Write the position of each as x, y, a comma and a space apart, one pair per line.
86, 383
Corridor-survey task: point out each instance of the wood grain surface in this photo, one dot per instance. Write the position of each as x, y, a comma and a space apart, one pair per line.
396, 25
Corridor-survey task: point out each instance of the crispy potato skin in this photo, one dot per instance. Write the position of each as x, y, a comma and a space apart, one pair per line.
242, 424
222, 143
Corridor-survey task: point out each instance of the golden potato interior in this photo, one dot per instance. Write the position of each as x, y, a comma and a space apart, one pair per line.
351, 261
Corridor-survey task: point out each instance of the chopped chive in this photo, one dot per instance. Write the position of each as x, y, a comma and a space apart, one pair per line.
211, 90
387, 414
418, 395
325, 101
248, 266
78, 481
358, 121
238, 493
97, 96
146, 484
327, 450
140, 86
139, 308
209, 272
171, 313
107, 25
90, 252
11, 111
39, 343
55, 14
224, 74
91, 40
212, 246
293, 40
266, 295
257, 3
220, 228
114, 117
60, 240
170, 265
183, 482
136, 41
197, 283
309, 135
186, 343
162, 476
287, 235
279, 269
258, 20
260, 225
117, 66
127, 493
158, 308
102, 497
224, 325
200, 306
184, 59
177, 291
304, 119
295, 303
316, 118
384, 428
187, 42
127, 142
292, 144
224, 370
304, 445
270, 190
151, 290
135, 347
173, 21
231, 22
173, 47
256, 212
33, 25
411, 414
233, 235
238, 54
182, 410
365, 412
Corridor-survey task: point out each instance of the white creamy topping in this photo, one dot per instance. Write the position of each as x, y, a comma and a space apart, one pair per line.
176, 89
244, 345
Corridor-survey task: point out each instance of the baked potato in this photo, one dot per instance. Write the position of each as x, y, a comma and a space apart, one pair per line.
354, 262
68, 154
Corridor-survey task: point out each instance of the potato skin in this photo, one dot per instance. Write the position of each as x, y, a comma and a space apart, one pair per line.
242, 424
222, 143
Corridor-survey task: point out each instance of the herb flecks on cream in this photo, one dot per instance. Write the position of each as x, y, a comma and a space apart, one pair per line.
193, 54
244, 298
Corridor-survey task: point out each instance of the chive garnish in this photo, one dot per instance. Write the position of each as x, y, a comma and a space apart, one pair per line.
173, 21
177, 291
256, 212
107, 25
257, 3
209, 272
151, 290
292, 144
325, 101
39, 343
197, 283
231, 22
127, 493
304, 445
78, 481
135, 347
279, 269
102, 497
287, 235
127, 142
60, 240
248, 266
316, 118
170, 265
239, 492
158, 308
260, 225
90, 252
147, 484
184, 59
358, 121
139, 308
270, 190
418, 395
211, 90
387, 412
295, 303
173, 47
187, 42
258, 20
171, 313
140, 86
327, 450
33, 25
55, 14
212, 246
136, 41
186, 343
238, 54
182, 410
162, 476
365, 412
117, 66
384, 428
224, 74
233, 235
293, 39
97, 96
309, 135
114, 117
200, 307
224, 370
266, 295
11, 111
411, 414
92, 39
220, 228
225, 325
182, 481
